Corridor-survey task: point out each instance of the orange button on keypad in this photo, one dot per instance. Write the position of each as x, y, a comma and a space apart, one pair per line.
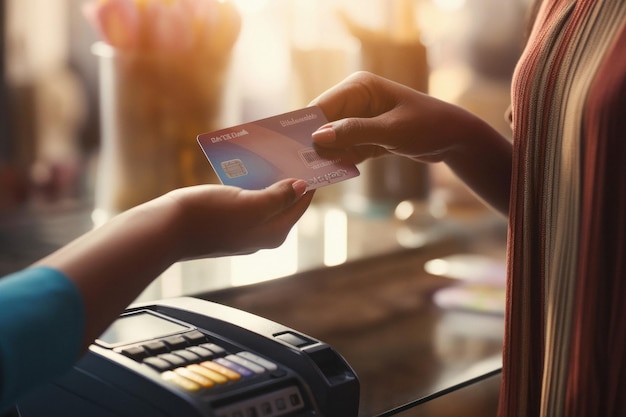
202, 380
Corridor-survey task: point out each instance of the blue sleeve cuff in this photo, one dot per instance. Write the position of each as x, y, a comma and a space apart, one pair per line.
41, 329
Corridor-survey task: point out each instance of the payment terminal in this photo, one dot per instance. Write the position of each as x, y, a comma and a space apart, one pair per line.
189, 357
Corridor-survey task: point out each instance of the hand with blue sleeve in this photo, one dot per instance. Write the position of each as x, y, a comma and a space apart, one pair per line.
52, 311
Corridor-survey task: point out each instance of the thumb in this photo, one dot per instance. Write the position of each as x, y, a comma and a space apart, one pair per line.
279, 196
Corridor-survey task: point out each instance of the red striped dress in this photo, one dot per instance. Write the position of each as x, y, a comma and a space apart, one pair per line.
565, 336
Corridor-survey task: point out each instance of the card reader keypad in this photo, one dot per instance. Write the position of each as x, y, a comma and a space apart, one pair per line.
193, 362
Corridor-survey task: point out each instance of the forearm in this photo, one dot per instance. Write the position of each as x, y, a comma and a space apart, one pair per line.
482, 159
111, 265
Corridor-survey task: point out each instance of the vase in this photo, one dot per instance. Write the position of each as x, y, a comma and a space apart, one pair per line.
153, 104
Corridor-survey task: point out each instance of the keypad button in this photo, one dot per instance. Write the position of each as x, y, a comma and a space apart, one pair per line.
227, 372
270, 366
203, 353
279, 373
134, 352
218, 350
244, 372
280, 404
181, 381
266, 408
257, 369
173, 359
294, 399
188, 355
176, 342
208, 373
195, 337
158, 364
156, 347
199, 379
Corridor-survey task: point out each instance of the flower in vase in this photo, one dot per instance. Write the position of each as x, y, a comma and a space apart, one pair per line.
117, 21
210, 26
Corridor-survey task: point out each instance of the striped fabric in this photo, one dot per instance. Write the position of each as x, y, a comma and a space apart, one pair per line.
565, 336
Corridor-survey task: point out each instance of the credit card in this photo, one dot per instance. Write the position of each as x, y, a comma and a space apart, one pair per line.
255, 155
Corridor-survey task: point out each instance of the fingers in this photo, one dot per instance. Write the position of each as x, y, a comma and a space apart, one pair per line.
284, 194
276, 198
281, 206
361, 110
217, 220
347, 105
352, 97
353, 131
285, 219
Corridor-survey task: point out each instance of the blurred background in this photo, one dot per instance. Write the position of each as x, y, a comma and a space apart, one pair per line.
403, 254
286, 53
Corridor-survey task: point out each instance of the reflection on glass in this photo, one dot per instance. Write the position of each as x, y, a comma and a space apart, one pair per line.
172, 281
266, 264
335, 237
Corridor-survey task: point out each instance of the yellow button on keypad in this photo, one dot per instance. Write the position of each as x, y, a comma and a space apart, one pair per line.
202, 380
208, 373
182, 382
228, 373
